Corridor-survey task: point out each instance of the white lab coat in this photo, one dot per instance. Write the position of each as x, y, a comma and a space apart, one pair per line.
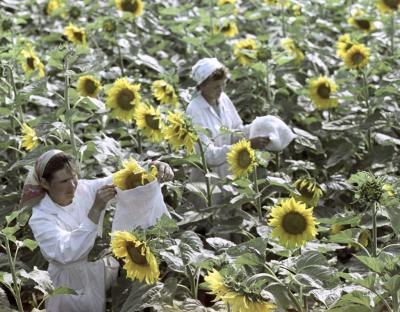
218, 145
65, 236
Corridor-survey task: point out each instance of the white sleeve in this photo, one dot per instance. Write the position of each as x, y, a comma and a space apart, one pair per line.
60, 245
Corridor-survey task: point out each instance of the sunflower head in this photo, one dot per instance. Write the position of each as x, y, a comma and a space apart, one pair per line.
134, 7
122, 99
74, 12
75, 34
140, 262
343, 45
388, 6
292, 49
296, 9
223, 2
180, 132
309, 190
29, 137
321, 92
133, 175
164, 92
53, 5
88, 86
31, 63
241, 158
228, 29
243, 49
367, 187
359, 20
293, 223
148, 119
109, 25
356, 57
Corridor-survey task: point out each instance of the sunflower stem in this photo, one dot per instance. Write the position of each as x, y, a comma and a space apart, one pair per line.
67, 104
210, 9
205, 170
269, 94
258, 195
283, 20
139, 141
121, 64
374, 229
295, 301
366, 98
17, 293
392, 32
278, 161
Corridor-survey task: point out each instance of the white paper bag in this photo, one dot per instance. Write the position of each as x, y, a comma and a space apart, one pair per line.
141, 206
279, 133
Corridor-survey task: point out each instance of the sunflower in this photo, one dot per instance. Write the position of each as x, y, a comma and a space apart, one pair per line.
53, 5
109, 25
293, 223
30, 62
321, 90
284, 3
180, 132
132, 6
241, 158
88, 86
133, 175
310, 192
140, 262
215, 283
148, 119
296, 9
343, 45
336, 228
238, 302
388, 6
358, 20
75, 34
243, 48
293, 50
122, 98
228, 29
356, 57
164, 92
29, 137
222, 2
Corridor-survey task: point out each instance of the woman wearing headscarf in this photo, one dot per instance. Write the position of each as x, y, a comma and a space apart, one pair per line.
67, 216
212, 109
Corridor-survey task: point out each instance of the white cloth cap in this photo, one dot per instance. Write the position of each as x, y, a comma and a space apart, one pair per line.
278, 132
204, 68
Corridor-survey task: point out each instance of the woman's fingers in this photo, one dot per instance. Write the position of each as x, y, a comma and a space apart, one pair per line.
165, 172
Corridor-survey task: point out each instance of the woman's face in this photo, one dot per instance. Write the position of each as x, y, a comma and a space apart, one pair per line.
211, 90
62, 187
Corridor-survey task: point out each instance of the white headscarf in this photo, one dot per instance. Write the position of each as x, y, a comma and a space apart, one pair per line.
204, 68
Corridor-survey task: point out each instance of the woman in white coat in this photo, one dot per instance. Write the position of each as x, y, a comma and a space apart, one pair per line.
67, 216
212, 109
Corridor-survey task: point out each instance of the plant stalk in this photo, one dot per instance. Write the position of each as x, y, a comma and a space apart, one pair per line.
367, 103
14, 276
374, 229
258, 199
205, 170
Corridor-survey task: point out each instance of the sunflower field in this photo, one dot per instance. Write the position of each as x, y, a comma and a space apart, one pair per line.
314, 227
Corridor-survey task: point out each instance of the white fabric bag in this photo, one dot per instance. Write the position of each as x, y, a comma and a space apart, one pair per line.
141, 206
279, 133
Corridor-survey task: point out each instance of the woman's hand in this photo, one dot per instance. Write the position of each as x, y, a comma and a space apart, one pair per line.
259, 142
165, 172
103, 196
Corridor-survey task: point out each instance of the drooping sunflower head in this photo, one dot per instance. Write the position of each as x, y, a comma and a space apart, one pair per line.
31, 63
228, 29
292, 49
244, 48
180, 132
133, 175
293, 223
88, 86
356, 57
343, 45
76, 35
321, 92
359, 20
53, 5
29, 137
222, 2
148, 119
239, 299
241, 158
134, 7
140, 262
388, 6
122, 99
309, 190
164, 92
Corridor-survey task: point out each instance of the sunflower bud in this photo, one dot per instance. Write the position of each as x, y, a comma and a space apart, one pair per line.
74, 12
109, 25
368, 188
6, 24
264, 54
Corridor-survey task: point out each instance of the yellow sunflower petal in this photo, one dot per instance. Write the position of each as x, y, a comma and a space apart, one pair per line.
321, 90
246, 45
241, 158
31, 63
29, 137
131, 6
75, 34
88, 86
309, 190
356, 57
164, 93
